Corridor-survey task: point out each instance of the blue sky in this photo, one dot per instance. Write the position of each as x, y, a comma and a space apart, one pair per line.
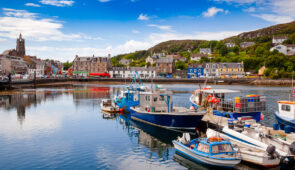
60, 29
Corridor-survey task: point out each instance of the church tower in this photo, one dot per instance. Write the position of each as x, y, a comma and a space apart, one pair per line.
20, 46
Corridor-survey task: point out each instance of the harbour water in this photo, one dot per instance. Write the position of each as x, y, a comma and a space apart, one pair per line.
63, 128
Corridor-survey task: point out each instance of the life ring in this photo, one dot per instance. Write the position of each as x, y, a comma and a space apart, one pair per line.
213, 99
215, 139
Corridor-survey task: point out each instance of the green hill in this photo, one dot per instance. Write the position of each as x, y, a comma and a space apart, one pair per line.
253, 57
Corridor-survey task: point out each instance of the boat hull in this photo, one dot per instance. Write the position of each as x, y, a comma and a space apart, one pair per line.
283, 122
259, 159
188, 153
176, 121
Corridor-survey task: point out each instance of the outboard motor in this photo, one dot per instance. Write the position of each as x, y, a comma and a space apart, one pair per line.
271, 150
292, 148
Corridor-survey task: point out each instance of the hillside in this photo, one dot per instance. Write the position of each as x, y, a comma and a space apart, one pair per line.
254, 57
175, 46
280, 29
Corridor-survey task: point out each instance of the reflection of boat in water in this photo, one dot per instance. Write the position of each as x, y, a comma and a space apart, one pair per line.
107, 105
107, 115
188, 163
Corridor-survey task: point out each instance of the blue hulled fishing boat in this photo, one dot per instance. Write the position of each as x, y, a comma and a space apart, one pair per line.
129, 96
286, 115
213, 151
156, 108
215, 99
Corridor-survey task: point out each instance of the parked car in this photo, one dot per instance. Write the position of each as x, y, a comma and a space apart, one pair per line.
26, 76
16, 76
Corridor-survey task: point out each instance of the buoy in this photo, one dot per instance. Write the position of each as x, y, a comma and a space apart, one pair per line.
287, 129
121, 111
261, 116
275, 126
192, 108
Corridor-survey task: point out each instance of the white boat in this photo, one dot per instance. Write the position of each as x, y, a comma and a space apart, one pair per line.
249, 152
107, 105
209, 151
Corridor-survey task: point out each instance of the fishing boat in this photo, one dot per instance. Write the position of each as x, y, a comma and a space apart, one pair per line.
214, 151
156, 108
285, 116
129, 96
107, 105
216, 100
252, 151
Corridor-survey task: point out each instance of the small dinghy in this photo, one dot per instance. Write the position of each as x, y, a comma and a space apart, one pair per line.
107, 105
214, 151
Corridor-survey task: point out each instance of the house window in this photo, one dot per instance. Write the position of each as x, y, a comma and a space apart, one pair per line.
286, 108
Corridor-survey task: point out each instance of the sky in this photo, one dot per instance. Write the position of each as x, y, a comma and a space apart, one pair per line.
61, 29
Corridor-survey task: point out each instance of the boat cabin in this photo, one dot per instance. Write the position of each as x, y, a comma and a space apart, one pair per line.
212, 146
287, 109
156, 101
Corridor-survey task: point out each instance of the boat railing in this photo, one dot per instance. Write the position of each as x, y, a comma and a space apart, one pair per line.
242, 104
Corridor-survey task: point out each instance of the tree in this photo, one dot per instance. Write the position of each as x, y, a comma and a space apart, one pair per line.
180, 65
67, 65
236, 49
223, 50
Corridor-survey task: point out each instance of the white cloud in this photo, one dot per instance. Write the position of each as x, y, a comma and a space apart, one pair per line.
274, 18
33, 28
58, 3
213, 11
284, 7
104, 0
162, 27
275, 11
143, 17
18, 13
32, 4
65, 53
250, 9
135, 31
239, 1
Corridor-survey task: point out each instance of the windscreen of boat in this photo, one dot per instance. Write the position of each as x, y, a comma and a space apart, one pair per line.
221, 148
203, 148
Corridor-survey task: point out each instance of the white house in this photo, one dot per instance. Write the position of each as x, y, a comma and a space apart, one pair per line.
197, 57
279, 39
211, 70
151, 60
205, 51
288, 49
123, 72
230, 45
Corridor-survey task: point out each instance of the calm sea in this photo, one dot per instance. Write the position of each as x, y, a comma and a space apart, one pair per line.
63, 128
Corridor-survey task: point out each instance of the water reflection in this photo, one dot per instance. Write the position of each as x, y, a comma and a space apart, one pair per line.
64, 128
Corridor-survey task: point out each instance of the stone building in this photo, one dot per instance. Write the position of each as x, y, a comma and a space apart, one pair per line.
34, 65
165, 67
20, 50
82, 66
231, 70
13, 64
20, 46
